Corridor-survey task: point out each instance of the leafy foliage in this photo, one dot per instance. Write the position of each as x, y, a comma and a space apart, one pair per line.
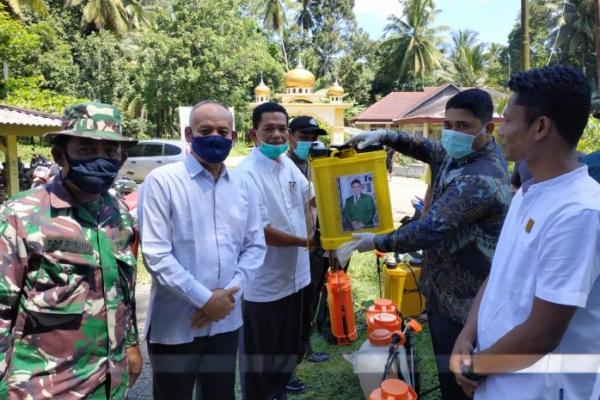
590, 141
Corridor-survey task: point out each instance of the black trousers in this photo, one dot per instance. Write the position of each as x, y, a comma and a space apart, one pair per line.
311, 295
272, 343
444, 332
208, 360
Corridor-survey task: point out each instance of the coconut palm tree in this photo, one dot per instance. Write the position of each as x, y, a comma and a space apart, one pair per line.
16, 6
274, 19
468, 60
413, 41
305, 18
117, 16
574, 29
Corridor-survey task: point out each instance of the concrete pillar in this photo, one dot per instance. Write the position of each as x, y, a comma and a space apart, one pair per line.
337, 136
426, 130
12, 164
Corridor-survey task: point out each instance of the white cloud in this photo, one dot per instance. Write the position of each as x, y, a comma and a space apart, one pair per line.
379, 7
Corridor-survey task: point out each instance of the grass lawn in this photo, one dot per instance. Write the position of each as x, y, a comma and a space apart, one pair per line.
334, 379
240, 149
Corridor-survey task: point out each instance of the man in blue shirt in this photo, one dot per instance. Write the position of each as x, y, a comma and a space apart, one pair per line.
202, 241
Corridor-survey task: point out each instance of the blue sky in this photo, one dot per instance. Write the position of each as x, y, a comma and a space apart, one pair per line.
493, 19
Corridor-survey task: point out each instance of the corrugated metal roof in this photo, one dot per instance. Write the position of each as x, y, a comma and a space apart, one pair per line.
10, 115
409, 106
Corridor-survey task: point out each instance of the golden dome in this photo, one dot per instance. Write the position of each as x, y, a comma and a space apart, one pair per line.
262, 89
299, 78
336, 90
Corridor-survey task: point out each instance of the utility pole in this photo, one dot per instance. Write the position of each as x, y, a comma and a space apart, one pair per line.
525, 65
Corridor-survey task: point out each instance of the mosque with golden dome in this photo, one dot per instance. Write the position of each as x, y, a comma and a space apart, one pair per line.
326, 105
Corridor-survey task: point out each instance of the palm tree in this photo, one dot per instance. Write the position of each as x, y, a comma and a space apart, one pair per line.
16, 6
305, 18
274, 19
117, 16
468, 60
414, 41
464, 38
575, 29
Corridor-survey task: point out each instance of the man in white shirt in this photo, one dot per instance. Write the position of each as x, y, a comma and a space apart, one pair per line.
202, 241
273, 300
535, 325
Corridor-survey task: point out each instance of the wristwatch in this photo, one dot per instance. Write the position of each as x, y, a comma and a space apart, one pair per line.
467, 372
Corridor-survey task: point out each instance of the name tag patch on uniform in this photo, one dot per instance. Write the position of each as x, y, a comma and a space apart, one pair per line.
529, 225
121, 242
67, 244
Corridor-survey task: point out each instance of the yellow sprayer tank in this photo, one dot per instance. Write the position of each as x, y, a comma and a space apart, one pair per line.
352, 194
400, 286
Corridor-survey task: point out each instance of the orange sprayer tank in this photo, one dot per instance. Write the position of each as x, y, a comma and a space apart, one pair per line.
341, 311
391, 322
393, 389
381, 306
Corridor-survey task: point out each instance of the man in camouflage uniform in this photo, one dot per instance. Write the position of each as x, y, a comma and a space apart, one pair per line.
67, 272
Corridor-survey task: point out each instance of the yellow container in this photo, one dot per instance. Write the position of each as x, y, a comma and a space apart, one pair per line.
400, 286
352, 195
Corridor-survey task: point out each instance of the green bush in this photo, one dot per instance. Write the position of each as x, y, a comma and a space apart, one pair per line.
590, 141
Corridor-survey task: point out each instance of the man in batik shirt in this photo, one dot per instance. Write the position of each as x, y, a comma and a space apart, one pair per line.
459, 231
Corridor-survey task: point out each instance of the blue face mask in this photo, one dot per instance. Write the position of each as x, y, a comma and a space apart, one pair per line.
302, 149
212, 148
273, 150
93, 176
457, 144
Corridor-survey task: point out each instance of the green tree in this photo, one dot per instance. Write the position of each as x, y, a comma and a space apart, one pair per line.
498, 65
590, 141
116, 16
274, 18
574, 33
198, 50
16, 6
468, 60
101, 58
541, 17
413, 43
305, 18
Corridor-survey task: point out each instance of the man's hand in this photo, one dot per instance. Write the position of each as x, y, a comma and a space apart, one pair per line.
134, 364
311, 242
461, 355
364, 241
365, 139
360, 241
220, 304
200, 319
357, 226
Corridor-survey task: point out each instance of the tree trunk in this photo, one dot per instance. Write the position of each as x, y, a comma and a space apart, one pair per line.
598, 43
525, 30
285, 58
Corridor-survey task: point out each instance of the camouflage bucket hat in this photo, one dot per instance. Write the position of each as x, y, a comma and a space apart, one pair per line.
94, 121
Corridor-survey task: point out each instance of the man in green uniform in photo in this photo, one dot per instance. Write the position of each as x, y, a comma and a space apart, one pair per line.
359, 209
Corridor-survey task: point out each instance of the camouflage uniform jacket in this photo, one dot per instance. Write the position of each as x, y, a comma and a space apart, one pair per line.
460, 230
67, 310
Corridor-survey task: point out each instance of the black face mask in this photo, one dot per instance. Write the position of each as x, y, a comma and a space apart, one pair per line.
93, 176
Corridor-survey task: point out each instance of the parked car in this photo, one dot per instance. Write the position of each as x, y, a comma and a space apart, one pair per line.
149, 154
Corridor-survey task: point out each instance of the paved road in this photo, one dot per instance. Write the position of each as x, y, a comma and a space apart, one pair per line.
402, 190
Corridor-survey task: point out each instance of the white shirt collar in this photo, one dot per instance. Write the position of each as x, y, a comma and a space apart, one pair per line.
273, 165
193, 166
531, 186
